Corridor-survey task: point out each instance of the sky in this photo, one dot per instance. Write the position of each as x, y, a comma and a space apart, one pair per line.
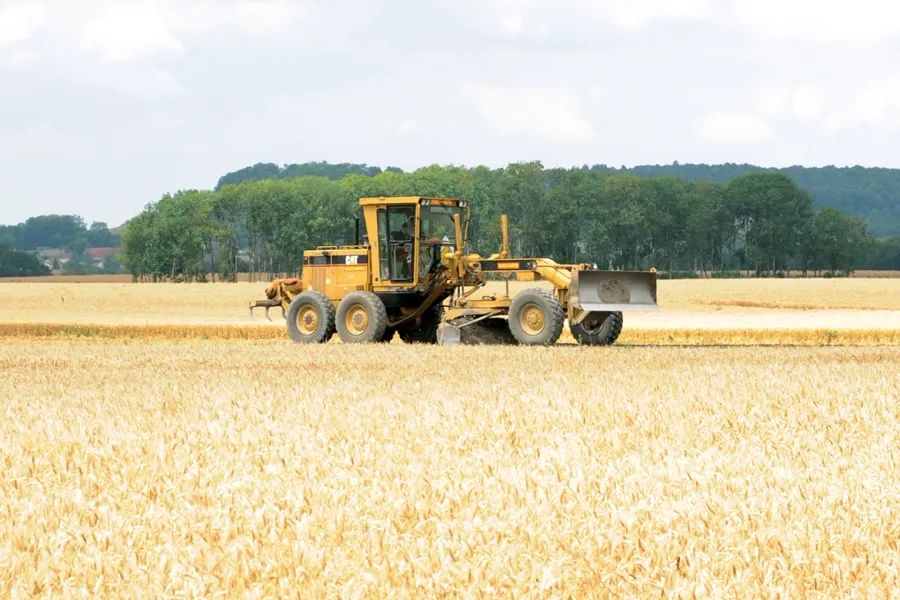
106, 106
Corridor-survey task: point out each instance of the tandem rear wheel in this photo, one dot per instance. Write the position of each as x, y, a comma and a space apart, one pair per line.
310, 318
361, 317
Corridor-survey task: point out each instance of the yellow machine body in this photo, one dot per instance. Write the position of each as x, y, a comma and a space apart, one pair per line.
409, 273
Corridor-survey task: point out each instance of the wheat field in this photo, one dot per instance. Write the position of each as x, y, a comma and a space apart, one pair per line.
251, 470
743, 442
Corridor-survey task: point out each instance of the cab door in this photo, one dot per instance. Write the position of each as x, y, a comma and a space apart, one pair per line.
396, 244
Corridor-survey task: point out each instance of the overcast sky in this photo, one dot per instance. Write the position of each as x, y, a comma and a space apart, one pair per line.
105, 106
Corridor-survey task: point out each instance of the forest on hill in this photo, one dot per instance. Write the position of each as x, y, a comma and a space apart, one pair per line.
761, 221
872, 194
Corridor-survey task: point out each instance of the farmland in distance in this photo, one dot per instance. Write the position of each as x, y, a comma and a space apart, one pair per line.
852, 310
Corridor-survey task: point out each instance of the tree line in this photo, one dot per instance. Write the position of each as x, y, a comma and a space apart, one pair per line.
762, 222
65, 232
870, 193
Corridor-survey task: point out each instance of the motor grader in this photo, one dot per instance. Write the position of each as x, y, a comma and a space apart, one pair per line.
411, 274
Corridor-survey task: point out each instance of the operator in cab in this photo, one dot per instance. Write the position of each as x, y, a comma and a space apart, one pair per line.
401, 255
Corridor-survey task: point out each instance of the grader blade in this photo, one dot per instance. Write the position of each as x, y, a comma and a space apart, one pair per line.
473, 330
613, 291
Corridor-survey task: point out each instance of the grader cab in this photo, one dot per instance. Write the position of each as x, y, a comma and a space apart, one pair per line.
410, 273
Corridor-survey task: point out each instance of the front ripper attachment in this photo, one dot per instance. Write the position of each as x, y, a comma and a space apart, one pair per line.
613, 291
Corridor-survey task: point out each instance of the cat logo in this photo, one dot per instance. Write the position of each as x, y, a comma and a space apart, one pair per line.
351, 259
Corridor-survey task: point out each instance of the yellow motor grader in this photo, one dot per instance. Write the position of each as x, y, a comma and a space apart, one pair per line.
411, 274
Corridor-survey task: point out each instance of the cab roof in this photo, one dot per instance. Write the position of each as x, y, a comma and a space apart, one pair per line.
412, 200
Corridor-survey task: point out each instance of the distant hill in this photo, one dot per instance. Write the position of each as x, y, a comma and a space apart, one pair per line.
316, 169
867, 192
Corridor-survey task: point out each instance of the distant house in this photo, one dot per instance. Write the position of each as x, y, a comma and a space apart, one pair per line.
101, 255
56, 258
98, 254
53, 257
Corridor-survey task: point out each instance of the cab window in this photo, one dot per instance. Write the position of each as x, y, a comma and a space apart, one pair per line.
396, 227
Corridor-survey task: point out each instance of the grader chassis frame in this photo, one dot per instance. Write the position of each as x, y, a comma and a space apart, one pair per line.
356, 291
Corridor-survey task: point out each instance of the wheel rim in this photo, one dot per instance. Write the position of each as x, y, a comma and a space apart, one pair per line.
357, 319
593, 325
307, 320
532, 319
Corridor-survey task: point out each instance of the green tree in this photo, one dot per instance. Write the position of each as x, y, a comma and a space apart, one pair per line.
841, 241
771, 211
50, 231
15, 263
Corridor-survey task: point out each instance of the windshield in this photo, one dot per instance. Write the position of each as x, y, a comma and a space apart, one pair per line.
437, 223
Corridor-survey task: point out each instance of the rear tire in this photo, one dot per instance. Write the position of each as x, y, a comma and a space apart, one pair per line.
598, 329
536, 317
426, 332
310, 318
361, 318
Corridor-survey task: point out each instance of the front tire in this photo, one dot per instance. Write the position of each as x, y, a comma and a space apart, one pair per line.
536, 317
598, 329
361, 318
310, 318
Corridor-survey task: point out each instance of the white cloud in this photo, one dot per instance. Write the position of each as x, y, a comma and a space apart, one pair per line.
876, 104
19, 21
242, 18
822, 20
723, 127
636, 13
807, 104
265, 16
128, 32
880, 103
548, 113
144, 81
804, 103
39, 137
18, 59
540, 19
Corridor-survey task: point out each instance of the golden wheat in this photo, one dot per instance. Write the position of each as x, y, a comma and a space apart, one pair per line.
243, 470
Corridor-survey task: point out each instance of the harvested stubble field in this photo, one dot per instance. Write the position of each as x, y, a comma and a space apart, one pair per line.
744, 311
203, 469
